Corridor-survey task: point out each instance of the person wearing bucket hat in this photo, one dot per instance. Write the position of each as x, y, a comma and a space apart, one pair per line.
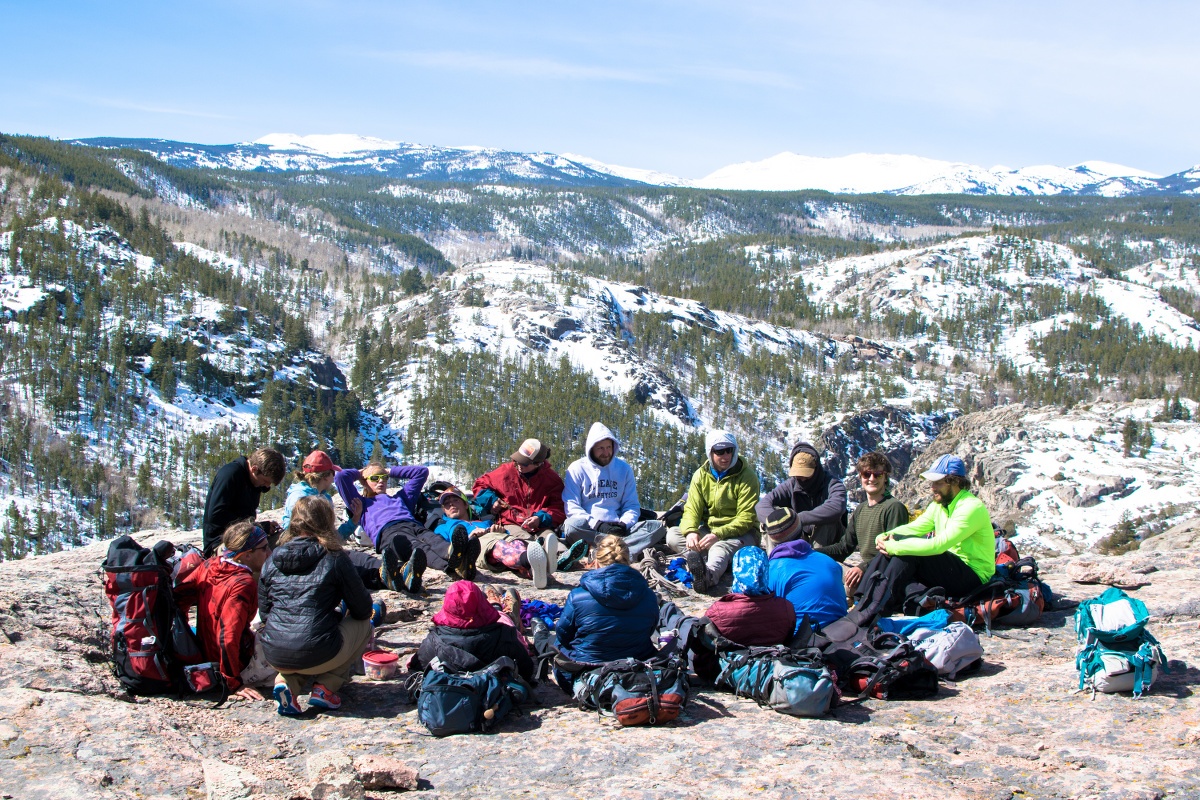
524, 496
718, 517
951, 545
817, 497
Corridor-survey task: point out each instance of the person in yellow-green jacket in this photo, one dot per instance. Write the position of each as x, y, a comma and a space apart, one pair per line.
951, 545
718, 517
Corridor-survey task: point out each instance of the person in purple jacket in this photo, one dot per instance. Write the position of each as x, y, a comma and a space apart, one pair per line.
405, 545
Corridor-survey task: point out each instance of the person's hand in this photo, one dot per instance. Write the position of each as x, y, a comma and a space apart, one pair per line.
496, 528
356, 509
853, 578
881, 545
532, 523
707, 541
499, 504
248, 693
613, 528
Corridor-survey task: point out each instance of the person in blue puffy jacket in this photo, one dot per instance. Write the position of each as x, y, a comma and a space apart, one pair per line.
612, 615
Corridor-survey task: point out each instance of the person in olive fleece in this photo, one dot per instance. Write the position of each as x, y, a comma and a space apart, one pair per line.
235, 491
817, 498
951, 545
878, 513
718, 517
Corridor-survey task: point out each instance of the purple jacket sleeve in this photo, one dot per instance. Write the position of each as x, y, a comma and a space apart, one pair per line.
344, 481
414, 481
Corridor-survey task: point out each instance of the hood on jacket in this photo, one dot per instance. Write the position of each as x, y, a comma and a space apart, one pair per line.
718, 439
797, 548
750, 572
299, 556
465, 607
817, 478
596, 434
616, 586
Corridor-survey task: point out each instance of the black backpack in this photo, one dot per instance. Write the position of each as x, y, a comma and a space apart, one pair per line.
872, 663
151, 641
636, 692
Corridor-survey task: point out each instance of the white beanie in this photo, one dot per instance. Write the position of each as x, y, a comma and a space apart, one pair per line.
718, 439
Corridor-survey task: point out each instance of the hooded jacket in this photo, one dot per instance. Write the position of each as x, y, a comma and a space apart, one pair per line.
539, 493
301, 587
725, 505
467, 634
819, 501
305, 489
383, 509
611, 615
226, 599
811, 582
596, 494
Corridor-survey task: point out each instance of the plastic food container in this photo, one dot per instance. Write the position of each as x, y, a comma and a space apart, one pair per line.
379, 665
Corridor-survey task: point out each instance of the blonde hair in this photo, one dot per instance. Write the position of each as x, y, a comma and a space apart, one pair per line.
312, 517
237, 534
311, 478
368, 489
611, 550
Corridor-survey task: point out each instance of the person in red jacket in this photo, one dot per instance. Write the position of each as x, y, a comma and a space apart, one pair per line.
224, 590
525, 496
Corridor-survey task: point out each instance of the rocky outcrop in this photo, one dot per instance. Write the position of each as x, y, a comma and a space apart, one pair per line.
901, 435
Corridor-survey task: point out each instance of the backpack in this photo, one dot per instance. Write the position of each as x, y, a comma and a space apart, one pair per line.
952, 651
1118, 653
450, 703
636, 692
152, 645
1006, 551
1014, 597
790, 682
871, 663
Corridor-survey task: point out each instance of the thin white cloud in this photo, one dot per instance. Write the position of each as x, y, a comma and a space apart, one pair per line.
508, 65
127, 105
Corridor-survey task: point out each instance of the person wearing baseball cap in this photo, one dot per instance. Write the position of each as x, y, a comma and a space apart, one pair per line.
817, 498
951, 545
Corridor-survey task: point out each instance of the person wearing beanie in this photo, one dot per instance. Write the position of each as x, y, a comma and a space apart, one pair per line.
951, 545
718, 517
524, 496
810, 581
469, 634
601, 498
817, 498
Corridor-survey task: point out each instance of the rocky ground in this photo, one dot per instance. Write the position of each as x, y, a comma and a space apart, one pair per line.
1017, 729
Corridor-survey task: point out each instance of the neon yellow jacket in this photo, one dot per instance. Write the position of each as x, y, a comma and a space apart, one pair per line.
963, 528
726, 506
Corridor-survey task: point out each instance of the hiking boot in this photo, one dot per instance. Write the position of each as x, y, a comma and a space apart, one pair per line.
411, 572
697, 565
459, 542
551, 545
378, 612
469, 568
538, 563
288, 707
512, 606
572, 554
492, 594
389, 571
323, 698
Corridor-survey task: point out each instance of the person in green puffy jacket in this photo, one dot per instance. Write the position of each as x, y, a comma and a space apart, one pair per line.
951, 545
718, 517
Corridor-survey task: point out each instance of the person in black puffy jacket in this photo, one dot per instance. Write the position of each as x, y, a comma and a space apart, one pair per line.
611, 616
303, 634
469, 634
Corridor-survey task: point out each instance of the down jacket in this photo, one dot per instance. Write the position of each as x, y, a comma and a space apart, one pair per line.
301, 587
470, 649
610, 616
819, 501
759, 621
226, 598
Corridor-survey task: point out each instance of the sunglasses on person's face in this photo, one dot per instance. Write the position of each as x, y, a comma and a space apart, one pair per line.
722, 451
870, 474
382, 476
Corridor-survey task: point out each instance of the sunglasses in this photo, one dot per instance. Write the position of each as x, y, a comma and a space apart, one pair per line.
381, 476
722, 451
866, 473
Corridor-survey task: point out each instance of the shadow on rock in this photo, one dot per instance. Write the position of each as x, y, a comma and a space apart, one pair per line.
385, 699
1176, 682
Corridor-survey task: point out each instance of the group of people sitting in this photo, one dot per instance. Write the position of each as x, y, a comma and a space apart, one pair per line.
312, 592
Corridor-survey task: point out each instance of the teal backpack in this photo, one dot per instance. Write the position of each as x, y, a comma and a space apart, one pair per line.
1118, 653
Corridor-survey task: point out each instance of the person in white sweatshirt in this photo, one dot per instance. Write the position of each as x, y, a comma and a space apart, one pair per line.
600, 495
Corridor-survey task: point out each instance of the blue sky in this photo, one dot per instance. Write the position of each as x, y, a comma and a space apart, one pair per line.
680, 87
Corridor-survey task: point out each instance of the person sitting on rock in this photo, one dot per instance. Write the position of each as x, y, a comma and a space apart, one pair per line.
406, 546
951, 545
750, 614
224, 591
810, 581
601, 498
878, 513
456, 518
525, 497
611, 615
306, 579
235, 491
718, 516
818, 499
469, 634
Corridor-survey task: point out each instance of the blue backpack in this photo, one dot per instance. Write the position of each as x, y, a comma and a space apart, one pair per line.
450, 703
790, 682
1118, 653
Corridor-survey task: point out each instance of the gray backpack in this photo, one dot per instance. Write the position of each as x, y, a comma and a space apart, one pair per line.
952, 650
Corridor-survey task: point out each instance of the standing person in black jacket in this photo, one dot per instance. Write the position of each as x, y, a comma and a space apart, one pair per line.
303, 634
235, 491
817, 498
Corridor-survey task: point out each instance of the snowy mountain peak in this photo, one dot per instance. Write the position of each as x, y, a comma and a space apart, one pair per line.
1111, 170
334, 145
860, 172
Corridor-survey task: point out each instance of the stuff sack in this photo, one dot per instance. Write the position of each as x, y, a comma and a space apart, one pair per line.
795, 683
952, 651
636, 692
151, 641
1118, 668
451, 703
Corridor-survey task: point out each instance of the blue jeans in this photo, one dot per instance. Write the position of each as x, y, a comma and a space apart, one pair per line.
646, 533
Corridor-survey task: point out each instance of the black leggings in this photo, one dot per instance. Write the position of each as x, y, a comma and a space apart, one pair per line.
944, 569
403, 535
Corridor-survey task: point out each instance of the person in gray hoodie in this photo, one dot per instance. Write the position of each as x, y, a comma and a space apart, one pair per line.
601, 497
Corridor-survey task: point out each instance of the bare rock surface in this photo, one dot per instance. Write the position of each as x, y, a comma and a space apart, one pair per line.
1017, 729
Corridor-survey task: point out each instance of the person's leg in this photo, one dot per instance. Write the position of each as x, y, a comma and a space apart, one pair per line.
394, 538
644, 534
676, 541
945, 570
293, 680
487, 541
334, 673
367, 567
721, 554
578, 529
